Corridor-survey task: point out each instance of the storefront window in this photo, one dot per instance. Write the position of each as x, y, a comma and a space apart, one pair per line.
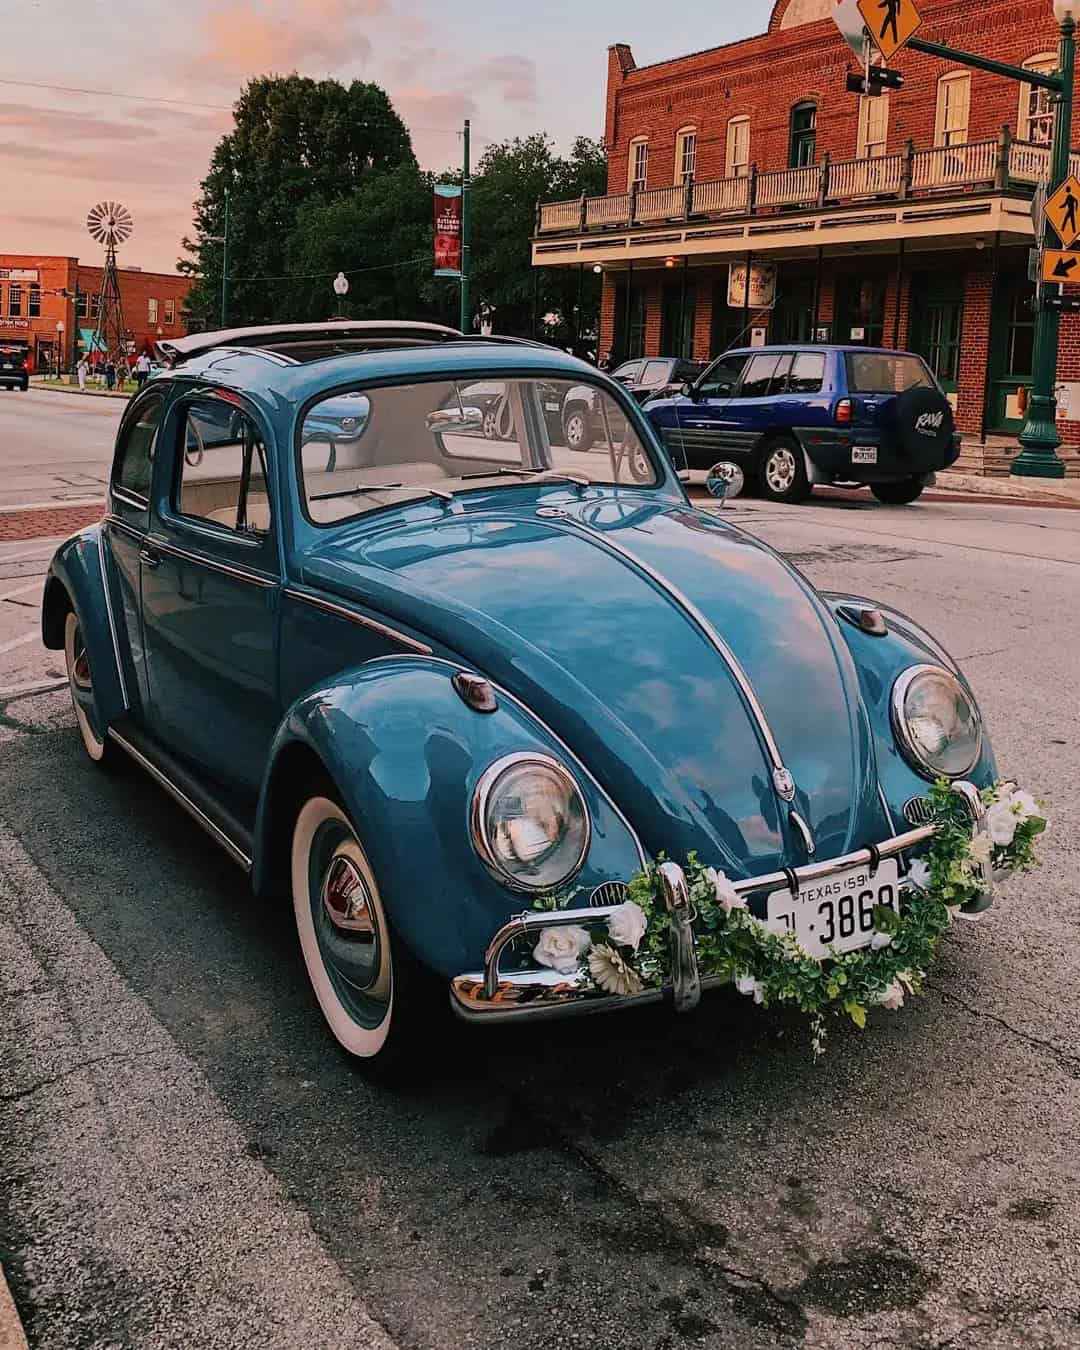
1020, 341
860, 310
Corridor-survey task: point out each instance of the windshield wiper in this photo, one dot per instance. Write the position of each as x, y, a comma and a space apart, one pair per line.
546, 475
361, 488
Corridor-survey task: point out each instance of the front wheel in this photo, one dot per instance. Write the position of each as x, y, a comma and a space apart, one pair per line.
783, 472
576, 430
81, 685
357, 968
898, 494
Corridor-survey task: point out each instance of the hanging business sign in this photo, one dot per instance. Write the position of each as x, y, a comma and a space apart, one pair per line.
447, 230
756, 292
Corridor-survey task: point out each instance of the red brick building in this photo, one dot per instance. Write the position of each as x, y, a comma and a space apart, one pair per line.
37, 293
900, 221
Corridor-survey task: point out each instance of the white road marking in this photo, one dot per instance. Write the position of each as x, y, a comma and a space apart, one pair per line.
33, 636
24, 590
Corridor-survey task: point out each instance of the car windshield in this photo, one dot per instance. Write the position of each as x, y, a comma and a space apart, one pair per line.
886, 373
365, 449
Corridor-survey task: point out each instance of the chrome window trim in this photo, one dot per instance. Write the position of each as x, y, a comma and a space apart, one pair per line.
643, 857
124, 526
898, 719
478, 812
112, 619
261, 579
130, 498
218, 532
196, 812
354, 616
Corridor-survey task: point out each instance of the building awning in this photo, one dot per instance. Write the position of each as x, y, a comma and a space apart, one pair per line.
89, 340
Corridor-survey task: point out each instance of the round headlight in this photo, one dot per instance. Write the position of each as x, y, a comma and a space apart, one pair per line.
530, 824
936, 722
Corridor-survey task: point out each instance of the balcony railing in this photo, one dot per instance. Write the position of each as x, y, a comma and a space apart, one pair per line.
1001, 163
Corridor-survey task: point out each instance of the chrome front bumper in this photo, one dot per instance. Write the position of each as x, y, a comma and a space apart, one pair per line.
491, 996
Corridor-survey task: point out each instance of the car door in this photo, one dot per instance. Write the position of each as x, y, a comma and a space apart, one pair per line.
755, 405
211, 582
700, 430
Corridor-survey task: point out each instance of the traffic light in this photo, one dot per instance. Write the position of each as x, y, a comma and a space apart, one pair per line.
875, 82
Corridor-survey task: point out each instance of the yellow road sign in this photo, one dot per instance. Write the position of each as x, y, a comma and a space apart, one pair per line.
1063, 211
891, 23
1057, 266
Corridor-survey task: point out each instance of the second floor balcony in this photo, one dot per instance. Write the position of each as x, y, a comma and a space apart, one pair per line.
1002, 164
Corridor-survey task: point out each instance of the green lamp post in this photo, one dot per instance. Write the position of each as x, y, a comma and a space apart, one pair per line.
1039, 438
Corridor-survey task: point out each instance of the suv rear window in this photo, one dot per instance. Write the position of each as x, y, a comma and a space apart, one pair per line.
807, 373
884, 373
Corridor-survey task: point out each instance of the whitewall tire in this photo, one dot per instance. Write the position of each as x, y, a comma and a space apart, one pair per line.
81, 685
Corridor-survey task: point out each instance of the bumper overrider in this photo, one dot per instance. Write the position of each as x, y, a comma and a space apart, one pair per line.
494, 996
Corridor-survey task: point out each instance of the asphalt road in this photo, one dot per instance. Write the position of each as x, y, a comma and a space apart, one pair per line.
54, 446
188, 1161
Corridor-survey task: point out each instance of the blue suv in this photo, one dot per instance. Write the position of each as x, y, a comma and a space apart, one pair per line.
795, 416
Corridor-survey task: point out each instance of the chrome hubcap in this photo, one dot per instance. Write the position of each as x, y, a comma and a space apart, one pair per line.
345, 898
347, 928
780, 470
574, 432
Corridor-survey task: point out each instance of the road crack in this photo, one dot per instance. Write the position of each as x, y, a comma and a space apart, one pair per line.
53, 1079
1070, 1063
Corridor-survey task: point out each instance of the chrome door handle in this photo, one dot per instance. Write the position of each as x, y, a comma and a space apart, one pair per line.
149, 558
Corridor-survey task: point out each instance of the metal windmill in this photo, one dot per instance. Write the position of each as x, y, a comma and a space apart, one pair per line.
110, 224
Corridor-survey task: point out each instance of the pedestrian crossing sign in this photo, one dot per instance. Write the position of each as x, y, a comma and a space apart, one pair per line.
1063, 211
891, 23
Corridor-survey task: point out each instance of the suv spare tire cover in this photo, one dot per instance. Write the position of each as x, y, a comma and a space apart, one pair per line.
920, 423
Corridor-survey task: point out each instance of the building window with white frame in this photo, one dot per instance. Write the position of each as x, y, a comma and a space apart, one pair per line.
639, 165
738, 148
14, 300
1036, 118
685, 155
953, 105
33, 301
151, 310
873, 126
170, 311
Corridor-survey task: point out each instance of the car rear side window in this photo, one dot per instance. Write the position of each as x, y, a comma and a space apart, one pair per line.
760, 374
886, 373
655, 373
807, 373
134, 461
223, 468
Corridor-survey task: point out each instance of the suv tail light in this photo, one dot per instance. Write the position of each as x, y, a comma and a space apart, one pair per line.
26, 364
844, 410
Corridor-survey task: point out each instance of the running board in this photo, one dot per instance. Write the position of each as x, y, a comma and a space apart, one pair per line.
220, 824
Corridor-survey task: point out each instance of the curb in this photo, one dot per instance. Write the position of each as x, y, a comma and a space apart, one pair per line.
80, 393
12, 1336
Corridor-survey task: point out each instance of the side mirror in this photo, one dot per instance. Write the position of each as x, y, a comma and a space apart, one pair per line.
725, 481
455, 419
689, 390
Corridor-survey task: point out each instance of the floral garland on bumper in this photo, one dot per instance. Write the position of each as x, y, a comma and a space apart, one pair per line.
629, 951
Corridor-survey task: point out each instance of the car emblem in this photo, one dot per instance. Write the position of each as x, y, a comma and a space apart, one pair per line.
551, 511
784, 784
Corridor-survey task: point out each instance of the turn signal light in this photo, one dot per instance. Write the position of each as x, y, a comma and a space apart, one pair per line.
843, 410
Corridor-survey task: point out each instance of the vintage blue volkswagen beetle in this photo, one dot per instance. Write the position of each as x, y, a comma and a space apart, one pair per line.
419, 677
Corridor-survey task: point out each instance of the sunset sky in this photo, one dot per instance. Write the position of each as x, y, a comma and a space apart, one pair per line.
512, 68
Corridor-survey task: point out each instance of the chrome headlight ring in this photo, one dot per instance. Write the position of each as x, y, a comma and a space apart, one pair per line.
913, 732
524, 848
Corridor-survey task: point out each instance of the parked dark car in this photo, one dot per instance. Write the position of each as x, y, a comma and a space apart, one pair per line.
644, 379
14, 365
793, 417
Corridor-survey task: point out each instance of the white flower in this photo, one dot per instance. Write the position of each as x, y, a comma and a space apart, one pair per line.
727, 897
892, 997
627, 925
980, 848
1004, 791
880, 941
1024, 806
562, 948
919, 874
1001, 823
611, 972
746, 984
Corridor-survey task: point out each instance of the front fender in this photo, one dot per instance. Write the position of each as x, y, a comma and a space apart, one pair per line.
879, 661
78, 578
405, 753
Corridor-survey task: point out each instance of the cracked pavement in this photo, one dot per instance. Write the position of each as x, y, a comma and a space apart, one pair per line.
187, 1160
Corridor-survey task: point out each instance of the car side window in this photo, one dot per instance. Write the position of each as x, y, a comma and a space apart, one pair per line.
222, 470
721, 378
807, 373
780, 383
655, 373
628, 371
134, 462
759, 375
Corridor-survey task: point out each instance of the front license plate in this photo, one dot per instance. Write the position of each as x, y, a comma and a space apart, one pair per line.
864, 454
836, 913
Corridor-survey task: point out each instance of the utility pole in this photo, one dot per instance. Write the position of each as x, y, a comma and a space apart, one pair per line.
466, 260
225, 265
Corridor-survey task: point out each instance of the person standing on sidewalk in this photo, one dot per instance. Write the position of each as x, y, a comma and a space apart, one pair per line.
142, 370
110, 374
82, 369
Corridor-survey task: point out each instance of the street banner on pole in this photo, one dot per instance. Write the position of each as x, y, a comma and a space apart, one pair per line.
1063, 211
891, 23
447, 230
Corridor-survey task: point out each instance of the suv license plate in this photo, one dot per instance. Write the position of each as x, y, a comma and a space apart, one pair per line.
864, 454
836, 913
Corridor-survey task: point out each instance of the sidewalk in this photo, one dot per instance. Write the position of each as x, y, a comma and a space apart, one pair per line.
1035, 491
11, 1332
91, 391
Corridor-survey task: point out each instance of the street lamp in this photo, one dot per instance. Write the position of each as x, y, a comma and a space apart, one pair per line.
59, 344
1039, 438
341, 290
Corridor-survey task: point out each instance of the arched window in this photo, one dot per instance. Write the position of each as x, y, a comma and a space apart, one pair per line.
803, 134
685, 155
638, 172
1035, 121
737, 163
953, 103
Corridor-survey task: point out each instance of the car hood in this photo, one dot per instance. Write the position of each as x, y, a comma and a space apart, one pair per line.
597, 615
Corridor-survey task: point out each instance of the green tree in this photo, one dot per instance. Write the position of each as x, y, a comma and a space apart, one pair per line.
294, 141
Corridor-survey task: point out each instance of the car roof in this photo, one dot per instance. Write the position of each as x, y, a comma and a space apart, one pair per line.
814, 347
302, 338
266, 374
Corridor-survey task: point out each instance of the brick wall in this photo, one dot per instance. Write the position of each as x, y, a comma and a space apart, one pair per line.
136, 291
